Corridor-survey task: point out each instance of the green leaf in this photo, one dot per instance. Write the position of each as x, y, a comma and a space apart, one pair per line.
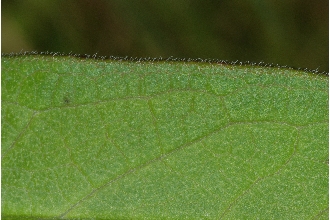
97, 139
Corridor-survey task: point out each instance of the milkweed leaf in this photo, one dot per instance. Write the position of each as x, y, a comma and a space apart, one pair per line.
120, 139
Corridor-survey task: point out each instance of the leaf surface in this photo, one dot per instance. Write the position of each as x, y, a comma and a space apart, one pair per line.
85, 138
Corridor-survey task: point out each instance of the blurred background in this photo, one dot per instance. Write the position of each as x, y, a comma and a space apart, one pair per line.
291, 32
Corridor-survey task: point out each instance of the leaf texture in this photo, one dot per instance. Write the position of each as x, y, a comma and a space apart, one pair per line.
97, 139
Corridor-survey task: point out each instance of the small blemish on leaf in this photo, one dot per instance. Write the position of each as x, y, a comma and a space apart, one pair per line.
66, 100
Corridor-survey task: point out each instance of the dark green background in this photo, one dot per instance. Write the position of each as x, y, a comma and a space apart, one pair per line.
290, 32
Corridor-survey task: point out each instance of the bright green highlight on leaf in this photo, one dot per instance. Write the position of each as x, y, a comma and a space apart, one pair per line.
93, 139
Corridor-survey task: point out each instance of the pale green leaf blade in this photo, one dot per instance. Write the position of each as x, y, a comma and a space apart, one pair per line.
93, 139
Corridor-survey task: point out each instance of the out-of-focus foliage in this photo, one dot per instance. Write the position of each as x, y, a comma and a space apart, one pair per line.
291, 32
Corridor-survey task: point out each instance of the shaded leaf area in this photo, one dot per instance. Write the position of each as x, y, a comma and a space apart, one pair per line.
107, 139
